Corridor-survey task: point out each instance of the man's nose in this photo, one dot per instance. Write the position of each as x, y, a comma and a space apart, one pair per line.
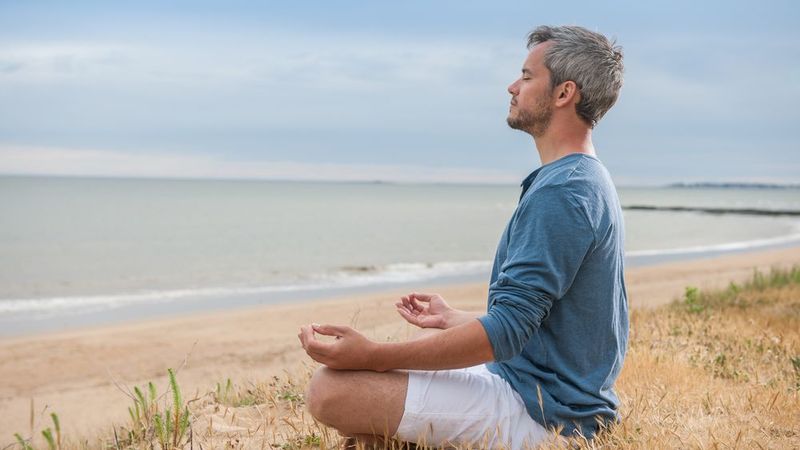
512, 88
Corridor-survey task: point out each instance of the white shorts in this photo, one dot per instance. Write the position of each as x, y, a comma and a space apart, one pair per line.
469, 406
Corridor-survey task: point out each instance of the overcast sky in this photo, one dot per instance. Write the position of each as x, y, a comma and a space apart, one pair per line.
397, 91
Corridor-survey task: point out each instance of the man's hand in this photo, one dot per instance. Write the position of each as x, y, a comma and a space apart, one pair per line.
431, 311
350, 351
424, 310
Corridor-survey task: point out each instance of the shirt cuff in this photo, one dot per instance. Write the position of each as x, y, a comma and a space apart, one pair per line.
494, 329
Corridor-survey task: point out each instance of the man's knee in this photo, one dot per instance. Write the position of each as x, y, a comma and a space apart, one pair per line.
322, 394
357, 402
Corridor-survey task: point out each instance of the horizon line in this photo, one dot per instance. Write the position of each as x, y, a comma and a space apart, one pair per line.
676, 184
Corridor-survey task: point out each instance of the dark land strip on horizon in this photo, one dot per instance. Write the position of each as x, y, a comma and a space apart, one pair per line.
745, 211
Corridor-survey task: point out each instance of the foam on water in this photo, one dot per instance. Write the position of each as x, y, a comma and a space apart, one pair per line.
347, 277
729, 246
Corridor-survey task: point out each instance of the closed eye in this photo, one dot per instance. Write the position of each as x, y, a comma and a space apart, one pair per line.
526, 74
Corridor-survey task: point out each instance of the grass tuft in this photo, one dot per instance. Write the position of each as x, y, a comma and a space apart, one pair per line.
153, 424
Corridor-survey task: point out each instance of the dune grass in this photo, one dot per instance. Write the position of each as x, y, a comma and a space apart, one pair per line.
715, 369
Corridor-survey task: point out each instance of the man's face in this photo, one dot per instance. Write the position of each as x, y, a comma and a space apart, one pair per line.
531, 103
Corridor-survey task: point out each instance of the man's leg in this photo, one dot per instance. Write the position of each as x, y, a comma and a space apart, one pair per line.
358, 403
354, 401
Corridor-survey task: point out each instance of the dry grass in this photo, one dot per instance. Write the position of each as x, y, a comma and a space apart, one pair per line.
713, 370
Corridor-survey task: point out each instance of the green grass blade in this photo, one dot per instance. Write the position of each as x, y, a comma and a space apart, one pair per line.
48, 436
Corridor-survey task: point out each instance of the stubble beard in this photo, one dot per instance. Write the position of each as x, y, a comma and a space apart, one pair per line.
533, 122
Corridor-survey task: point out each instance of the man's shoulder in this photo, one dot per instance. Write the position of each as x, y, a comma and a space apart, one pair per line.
580, 176
582, 182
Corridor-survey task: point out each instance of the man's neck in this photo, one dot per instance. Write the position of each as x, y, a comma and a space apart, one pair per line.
557, 143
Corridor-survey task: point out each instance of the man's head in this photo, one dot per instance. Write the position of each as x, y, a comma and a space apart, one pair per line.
570, 67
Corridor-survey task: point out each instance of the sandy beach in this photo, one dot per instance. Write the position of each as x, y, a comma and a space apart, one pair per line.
75, 373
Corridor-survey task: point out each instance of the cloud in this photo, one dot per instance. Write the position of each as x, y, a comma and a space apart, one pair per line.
311, 96
338, 61
716, 78
21, 160
270, 95
38, 62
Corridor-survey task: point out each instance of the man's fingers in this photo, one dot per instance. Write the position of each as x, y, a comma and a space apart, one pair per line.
408, 306
409, 310
421, 297
400, 306
318, 357
306, 335
317, 347
415, 306
410, 318
310, 343
404, 313
318, 351
331, 330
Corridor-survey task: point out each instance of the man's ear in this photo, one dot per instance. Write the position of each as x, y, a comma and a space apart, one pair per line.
567, 93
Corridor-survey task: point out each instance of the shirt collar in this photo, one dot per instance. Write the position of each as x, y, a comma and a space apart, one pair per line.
528, 181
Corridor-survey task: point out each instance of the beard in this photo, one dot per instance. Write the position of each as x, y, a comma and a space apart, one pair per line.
533, 122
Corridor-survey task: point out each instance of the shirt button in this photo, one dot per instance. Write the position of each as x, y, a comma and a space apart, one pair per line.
502, 282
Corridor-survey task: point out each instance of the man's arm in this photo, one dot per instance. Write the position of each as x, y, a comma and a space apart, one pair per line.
459, 317
454, 348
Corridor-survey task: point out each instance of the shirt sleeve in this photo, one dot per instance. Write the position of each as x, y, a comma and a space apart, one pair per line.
547, 243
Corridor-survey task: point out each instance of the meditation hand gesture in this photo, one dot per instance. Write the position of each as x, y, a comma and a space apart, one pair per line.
426, 310
350, 350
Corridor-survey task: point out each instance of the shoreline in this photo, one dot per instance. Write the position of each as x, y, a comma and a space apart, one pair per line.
73, 372
121, 309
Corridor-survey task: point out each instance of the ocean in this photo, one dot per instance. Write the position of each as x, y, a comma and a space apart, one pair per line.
86, 251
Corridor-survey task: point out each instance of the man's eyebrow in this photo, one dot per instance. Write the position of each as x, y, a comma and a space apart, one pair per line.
526, 72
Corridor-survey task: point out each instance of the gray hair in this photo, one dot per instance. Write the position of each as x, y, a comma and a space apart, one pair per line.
587, 58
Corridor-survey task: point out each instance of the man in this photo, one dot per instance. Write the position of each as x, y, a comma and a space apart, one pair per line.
545, 355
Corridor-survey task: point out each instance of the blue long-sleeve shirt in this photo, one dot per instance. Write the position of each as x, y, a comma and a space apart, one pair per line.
557, 316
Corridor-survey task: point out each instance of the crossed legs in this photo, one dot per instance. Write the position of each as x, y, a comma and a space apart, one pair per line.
361, 404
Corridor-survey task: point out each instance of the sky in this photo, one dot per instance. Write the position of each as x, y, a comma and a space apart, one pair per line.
412, 91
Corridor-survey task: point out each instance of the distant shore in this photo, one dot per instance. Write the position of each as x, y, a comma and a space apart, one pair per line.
735, 185
73, 373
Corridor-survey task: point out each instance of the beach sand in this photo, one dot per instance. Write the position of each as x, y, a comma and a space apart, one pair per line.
75, 373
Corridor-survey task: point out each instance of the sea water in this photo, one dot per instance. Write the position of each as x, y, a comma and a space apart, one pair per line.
85, 250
